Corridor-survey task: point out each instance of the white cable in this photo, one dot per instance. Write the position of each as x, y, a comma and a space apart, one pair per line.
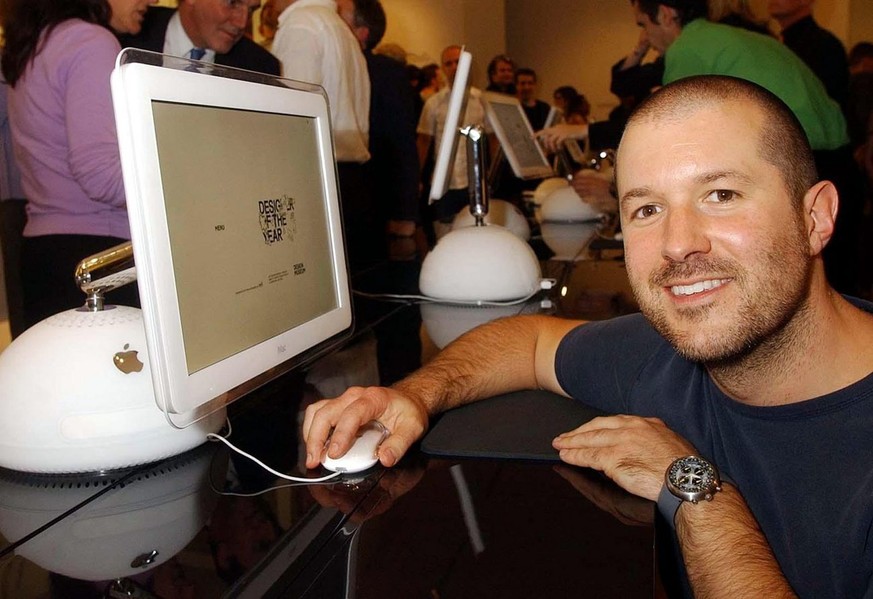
214, 437
544, 284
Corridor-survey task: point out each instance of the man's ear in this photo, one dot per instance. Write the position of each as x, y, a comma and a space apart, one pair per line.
820, 205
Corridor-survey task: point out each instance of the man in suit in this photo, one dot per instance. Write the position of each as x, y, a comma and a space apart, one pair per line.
207, 30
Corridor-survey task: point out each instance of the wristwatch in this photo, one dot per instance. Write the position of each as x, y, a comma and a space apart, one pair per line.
687, 479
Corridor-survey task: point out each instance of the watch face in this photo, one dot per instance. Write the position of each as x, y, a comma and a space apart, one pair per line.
692, 479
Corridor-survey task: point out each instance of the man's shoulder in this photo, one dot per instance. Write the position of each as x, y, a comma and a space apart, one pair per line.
630, 330
385, 66
248, 55
310, 13
808, 32
600, 362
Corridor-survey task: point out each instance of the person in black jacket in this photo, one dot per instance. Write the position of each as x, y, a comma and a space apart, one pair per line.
820, 49
393, 165
208, 30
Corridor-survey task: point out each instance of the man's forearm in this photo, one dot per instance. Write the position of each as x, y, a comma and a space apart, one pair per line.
502, 356
725, 552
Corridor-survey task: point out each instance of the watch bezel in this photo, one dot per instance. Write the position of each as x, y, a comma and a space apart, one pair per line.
705, 490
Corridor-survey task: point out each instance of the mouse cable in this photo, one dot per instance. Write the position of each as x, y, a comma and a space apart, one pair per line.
214, 437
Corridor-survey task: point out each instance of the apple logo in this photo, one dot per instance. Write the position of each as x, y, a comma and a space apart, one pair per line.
127, 361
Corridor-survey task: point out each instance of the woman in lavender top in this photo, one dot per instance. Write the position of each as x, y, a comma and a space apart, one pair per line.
57, 60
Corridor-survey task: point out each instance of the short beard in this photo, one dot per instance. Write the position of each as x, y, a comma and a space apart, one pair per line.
768, 320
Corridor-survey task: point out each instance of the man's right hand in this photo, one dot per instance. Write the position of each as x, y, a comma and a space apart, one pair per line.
404, 415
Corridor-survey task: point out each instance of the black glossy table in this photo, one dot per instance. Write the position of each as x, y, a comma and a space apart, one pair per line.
209, 524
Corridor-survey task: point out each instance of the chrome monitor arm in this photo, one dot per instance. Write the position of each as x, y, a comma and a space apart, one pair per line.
100, 273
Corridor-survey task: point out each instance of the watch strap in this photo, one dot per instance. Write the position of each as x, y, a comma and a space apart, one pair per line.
668, 505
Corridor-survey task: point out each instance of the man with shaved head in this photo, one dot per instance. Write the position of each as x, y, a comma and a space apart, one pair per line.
741, 396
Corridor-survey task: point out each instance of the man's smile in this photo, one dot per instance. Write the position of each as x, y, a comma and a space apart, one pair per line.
698, 287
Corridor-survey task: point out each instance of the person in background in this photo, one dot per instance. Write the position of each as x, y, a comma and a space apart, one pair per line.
501, 75
394, 168
633, 79
859, 115
526, 88
315, 45
13, 217
393, 51
861, 58
820, 49
430, 81
57, 60
414, 77
12, 210
860, 105
737, 13
268, 22
562, 96
205, 30
577, 110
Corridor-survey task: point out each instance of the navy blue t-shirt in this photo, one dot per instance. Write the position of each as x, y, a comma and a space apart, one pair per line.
805, 469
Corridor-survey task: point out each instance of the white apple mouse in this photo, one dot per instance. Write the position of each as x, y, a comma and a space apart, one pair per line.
362, 454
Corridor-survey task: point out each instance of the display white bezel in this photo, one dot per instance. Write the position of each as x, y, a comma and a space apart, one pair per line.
449, 142
509, 143
187, 397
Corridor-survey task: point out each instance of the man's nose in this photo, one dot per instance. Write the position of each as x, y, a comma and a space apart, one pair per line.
684, 233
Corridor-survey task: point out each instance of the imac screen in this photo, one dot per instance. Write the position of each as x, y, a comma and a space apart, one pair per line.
519, 137
516, 137
247, 219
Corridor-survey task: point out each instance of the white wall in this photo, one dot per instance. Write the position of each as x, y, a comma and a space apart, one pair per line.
424, 27
572, 43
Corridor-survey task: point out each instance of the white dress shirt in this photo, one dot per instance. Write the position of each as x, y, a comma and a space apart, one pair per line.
316, 46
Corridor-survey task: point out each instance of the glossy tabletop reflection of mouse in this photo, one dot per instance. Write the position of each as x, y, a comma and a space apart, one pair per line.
362, 454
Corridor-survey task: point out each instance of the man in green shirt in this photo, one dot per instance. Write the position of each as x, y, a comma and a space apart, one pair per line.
694, 46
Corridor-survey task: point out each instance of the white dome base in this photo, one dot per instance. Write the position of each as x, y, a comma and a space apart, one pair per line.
66, 404
480, 264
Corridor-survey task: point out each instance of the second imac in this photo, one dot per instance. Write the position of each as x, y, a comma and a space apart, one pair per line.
480, 263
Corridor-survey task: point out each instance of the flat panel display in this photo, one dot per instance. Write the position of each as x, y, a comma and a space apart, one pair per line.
236, 227
516, 137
